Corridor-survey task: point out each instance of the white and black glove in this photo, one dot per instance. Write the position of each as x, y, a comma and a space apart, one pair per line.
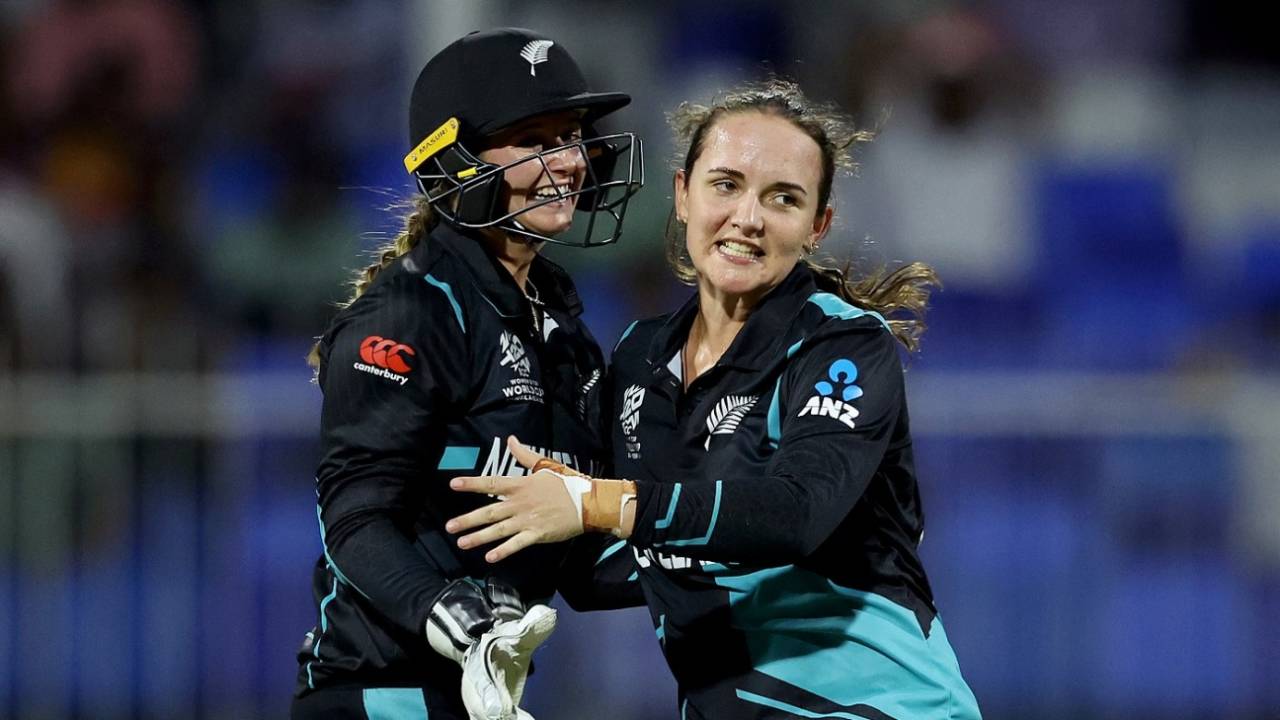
490, 634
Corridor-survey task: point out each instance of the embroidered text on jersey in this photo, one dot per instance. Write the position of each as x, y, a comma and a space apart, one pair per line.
632, 399
501, 462
648, 557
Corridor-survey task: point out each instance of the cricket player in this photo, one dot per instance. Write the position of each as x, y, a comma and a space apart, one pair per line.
769, 490
461, 334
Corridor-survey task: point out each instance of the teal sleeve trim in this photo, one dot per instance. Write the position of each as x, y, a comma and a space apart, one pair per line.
711, 528
625, 333
665, 522
611, 550
773, 421
324, 627
457, 457
395, 704
448, 292
661, 632
833, 306
329, 559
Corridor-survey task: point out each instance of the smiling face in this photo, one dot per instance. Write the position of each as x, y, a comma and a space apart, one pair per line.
531, 182
750, 204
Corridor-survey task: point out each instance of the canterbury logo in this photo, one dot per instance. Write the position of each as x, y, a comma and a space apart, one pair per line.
725, 417
536, 53
384, 353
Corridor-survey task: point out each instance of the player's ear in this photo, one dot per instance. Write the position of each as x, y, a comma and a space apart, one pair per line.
680, 193
821, 226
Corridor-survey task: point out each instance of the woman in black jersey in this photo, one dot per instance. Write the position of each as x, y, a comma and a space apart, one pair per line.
459, 335
770, 494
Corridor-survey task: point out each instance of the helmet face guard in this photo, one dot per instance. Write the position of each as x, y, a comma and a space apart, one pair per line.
467, 192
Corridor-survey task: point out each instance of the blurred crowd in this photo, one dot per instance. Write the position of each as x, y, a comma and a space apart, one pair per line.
186, 185
179, 179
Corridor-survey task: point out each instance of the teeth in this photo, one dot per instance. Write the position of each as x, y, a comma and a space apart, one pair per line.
549, 192
737, 249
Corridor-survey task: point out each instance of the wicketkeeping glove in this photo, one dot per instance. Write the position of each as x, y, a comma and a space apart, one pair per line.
490, 634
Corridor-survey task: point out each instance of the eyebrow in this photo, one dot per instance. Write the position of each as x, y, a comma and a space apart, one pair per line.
737, 175
531, 123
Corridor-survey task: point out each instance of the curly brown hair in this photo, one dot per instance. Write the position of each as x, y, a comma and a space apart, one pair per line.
900, 295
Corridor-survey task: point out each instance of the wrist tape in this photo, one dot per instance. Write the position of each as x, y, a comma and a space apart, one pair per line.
599, 502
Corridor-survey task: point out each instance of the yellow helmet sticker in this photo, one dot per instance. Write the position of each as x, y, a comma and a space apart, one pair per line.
441, 138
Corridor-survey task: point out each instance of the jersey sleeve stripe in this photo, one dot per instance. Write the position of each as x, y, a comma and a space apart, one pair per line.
625, 333
665, 522
711, 528
448, 292
329, 558
324, 627
773, 421
609, 551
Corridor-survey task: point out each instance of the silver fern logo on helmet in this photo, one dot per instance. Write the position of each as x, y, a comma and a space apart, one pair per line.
535, 51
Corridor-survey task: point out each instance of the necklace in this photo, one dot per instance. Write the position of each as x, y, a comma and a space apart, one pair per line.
535, 304
684, 364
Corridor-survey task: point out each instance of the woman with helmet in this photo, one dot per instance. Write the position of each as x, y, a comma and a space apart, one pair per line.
460, 335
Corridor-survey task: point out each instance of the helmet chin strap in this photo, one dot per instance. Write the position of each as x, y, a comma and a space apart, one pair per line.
520, 233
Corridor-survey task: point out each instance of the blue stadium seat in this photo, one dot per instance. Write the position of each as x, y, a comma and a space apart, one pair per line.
1112, 267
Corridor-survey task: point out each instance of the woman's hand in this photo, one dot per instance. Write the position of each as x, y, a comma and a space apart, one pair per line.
530, 510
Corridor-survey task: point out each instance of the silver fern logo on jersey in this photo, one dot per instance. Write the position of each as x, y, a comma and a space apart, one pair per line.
629, 418
535, 52
725, 417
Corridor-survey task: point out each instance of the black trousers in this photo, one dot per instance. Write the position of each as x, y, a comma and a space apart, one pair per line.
378, 704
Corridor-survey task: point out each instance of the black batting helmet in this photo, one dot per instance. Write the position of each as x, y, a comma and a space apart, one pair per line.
490, 80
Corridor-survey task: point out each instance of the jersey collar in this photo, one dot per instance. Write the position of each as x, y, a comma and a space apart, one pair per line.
764, 337
555, 288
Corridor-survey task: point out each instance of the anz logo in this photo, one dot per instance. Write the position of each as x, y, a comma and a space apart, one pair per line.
835, 392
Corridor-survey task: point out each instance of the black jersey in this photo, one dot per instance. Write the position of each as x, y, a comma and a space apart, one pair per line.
424, 376
778, 516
